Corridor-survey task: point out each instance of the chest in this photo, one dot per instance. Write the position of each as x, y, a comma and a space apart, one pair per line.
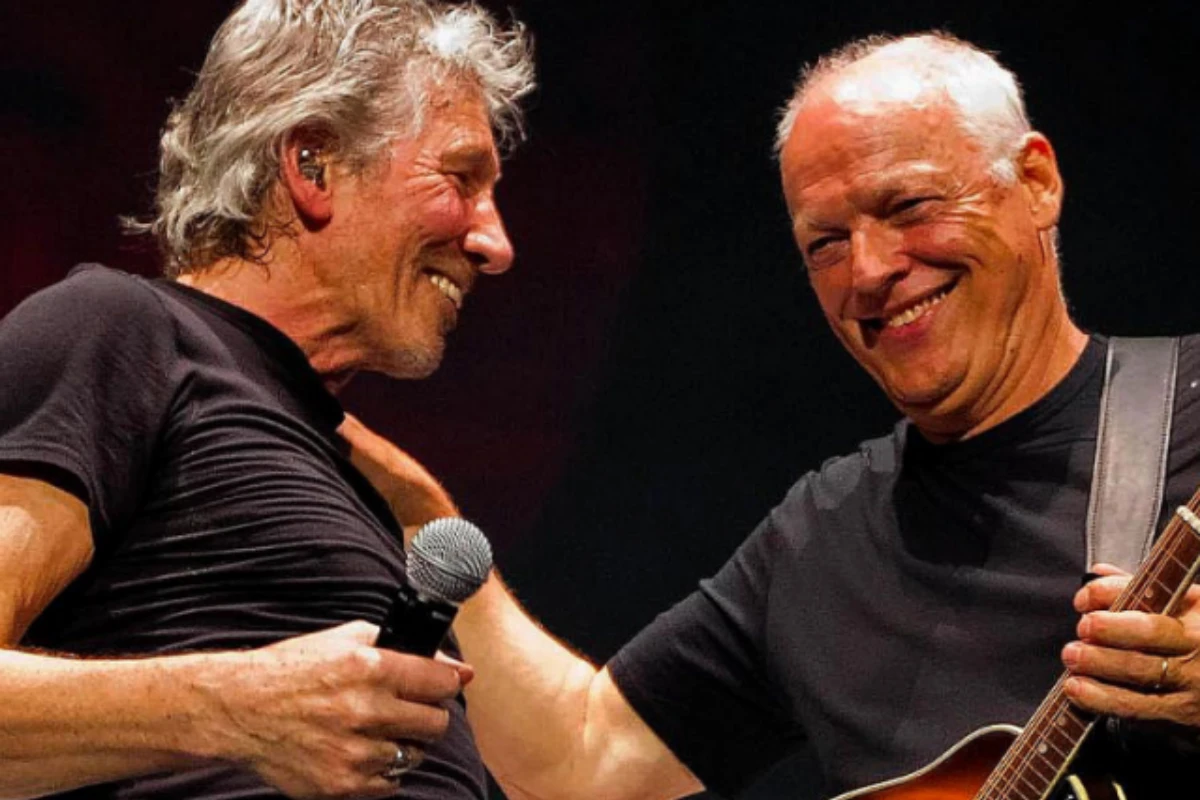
935, 607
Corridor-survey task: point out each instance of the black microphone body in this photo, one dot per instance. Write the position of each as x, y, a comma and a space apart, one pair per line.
416, 624
448, 560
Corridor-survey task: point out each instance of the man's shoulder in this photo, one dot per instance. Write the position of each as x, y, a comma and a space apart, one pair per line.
853, 477
93, 294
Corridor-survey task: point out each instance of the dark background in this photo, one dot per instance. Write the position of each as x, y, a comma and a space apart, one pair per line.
620, 409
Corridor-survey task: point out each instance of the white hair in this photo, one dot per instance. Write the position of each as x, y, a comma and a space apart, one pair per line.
986, 96
358, 73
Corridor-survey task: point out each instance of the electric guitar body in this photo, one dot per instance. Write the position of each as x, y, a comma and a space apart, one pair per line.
961, 772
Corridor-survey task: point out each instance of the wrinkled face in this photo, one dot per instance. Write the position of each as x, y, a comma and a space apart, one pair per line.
931, 271
414, 232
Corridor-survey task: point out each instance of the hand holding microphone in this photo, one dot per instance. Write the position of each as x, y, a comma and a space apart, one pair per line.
448, 560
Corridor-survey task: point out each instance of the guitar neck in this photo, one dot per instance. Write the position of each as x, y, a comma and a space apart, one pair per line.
1039, 757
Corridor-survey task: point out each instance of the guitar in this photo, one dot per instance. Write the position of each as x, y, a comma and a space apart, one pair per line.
1003, 762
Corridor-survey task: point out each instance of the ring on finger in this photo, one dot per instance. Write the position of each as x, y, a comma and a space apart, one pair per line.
405, 759
1162, 675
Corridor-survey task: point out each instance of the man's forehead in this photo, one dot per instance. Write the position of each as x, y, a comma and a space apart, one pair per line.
456, 122
869, 151
828, 131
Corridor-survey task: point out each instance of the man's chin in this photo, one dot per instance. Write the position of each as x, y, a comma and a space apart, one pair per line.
414, 363
923, 396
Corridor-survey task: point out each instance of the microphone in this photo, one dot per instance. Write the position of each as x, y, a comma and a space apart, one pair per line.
448, 560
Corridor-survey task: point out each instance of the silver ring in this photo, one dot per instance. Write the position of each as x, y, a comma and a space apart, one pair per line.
402, 762
1162, 675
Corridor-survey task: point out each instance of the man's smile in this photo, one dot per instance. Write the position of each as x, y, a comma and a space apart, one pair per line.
907, 313
453, 292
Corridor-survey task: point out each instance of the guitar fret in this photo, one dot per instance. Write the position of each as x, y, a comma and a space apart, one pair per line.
1008, 790
1037, 789
1061, 752
1042, 768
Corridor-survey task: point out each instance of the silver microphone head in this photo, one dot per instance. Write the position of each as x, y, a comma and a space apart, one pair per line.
449, 559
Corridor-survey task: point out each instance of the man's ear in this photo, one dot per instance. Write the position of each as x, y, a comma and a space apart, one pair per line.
1037, 171
305, 171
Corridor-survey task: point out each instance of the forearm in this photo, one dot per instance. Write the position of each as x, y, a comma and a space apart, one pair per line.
528, 701
73, 722
549, 724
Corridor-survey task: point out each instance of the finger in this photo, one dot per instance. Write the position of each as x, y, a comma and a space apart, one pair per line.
466, 673
390, 750
1100, 593
1102, 568
419, 679
1190, 600
385, 755
1141, 671
398, 719
388, 777
1103, 698
1135, 630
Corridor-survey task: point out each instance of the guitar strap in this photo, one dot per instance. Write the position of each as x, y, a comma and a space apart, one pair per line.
1131, 450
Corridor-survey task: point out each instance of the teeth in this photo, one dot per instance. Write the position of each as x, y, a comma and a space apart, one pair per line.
905, 317
448, 288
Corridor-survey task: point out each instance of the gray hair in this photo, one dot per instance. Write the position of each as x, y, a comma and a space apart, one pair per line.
986, 95
358, 72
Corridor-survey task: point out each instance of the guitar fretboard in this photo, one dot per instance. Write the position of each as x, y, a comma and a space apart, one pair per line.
1040, 756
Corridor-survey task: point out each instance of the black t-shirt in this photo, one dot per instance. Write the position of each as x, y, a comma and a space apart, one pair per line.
224, 509
896, 600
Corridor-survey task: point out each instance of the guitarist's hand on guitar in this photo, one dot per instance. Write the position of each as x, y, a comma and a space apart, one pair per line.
1134, 664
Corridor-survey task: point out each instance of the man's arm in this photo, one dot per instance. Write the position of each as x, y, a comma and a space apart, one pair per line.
314, 716
549, 724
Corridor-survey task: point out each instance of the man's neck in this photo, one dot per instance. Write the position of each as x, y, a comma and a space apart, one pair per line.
1028, 378
281, 295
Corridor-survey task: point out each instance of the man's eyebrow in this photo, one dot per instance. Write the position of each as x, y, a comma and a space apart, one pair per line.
476, 157
890, 183
813, 222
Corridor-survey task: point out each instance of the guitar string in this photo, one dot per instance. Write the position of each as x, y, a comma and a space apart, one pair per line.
1040, 728
1002, 776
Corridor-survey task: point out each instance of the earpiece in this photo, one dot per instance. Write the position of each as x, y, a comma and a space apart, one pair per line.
311, 167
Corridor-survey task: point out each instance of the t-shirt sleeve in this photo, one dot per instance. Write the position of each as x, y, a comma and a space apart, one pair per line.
698, 677
85, 370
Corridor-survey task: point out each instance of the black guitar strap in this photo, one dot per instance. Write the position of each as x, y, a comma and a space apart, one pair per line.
1131, 450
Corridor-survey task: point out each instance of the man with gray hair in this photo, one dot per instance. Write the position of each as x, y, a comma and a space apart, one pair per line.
927, 586
194, 566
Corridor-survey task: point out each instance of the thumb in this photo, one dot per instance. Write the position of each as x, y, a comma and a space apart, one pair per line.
466, 673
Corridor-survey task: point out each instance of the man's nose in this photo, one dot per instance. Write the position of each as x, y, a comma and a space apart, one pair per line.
876, 259
487, 242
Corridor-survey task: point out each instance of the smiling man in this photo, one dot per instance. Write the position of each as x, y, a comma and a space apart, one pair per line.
928, 585
931, 250
177, 503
